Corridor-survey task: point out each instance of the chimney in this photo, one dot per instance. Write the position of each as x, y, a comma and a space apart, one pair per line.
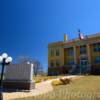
65, 37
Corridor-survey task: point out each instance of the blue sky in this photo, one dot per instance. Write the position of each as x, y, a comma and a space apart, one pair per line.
27, 26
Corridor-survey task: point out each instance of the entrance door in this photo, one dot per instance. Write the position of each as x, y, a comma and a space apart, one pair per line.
83, 66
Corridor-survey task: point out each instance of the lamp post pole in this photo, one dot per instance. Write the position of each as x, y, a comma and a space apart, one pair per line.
4, 60
3, 65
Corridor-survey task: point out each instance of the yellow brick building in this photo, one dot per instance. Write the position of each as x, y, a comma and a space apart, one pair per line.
74, 55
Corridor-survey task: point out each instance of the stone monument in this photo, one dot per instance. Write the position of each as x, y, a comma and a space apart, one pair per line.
19, 76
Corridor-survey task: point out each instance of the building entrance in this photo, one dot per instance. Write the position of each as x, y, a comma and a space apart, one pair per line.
83, 65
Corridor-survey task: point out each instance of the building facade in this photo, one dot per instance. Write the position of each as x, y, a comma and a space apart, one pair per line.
74, 55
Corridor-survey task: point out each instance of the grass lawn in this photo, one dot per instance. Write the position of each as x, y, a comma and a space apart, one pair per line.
85, 88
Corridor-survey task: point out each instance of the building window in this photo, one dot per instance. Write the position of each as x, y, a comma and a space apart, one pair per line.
70, 61
52, 52
96, 47
52, 63
57, 62
83, 49
70, 52
57, 51
97, 60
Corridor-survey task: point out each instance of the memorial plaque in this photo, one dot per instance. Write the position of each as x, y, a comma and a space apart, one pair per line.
19, 76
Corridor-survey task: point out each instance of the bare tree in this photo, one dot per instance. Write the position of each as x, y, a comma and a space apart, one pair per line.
37, 66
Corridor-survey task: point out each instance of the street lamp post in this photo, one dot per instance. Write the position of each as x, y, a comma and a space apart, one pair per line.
4, 60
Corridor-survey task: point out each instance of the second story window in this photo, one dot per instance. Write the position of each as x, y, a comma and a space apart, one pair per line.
52, 52
96, 47
83, 49
57, 51
70, 52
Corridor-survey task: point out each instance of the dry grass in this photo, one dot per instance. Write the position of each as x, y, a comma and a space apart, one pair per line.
86, 88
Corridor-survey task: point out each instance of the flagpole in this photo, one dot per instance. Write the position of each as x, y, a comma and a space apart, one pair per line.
79, 57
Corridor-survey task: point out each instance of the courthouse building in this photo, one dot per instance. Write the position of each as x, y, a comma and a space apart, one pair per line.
63, 56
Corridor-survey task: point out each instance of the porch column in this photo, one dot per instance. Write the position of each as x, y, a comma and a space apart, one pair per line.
75, 61
88, 53
63, 56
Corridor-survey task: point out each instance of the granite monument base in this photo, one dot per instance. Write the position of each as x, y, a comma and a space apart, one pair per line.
19, 76
20, 85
